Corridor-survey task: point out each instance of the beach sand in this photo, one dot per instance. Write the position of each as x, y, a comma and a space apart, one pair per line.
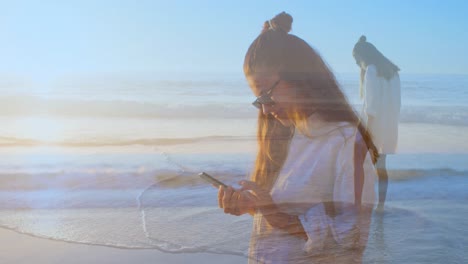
24, 249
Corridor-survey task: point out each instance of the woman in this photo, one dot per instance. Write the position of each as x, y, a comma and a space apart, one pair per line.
380, 89
311, 192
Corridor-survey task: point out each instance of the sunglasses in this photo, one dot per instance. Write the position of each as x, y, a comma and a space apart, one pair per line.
265, 99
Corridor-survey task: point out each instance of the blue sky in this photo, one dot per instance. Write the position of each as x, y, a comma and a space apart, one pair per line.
46, 39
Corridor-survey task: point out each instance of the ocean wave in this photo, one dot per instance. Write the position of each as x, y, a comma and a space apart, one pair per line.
444, 115
188, 220
37, 106
238, 108
91, 142
105, 178
12, 141
408, 174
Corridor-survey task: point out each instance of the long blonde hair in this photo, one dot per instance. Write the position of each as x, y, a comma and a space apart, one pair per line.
315, 88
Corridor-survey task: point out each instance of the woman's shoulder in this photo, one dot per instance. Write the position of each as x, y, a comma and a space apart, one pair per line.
395, 78
371, 74
340, 134
319, 129
371, 68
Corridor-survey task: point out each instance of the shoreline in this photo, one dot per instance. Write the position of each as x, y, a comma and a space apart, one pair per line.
21, 248
413, 138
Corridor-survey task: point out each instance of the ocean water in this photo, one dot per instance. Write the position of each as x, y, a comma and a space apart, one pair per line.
113, 161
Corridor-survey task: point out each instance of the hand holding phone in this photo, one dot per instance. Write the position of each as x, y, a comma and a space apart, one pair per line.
244, 204
211, 180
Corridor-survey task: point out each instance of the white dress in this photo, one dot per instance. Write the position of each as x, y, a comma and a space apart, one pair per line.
382, 101
319, 167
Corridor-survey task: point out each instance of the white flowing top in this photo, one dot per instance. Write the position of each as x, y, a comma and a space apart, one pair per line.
319, 167
382, 101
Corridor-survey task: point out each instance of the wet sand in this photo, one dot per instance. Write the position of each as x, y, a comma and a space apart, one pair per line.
25, 249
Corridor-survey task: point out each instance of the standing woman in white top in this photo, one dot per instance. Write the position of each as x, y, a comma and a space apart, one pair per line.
311, 192
380, 89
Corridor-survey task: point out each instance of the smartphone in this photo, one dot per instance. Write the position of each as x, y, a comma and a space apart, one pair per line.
211, 180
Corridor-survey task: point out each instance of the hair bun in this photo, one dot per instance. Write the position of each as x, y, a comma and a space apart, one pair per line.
282, 21
362, 39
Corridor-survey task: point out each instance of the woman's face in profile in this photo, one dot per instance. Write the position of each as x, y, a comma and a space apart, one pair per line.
273, 96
